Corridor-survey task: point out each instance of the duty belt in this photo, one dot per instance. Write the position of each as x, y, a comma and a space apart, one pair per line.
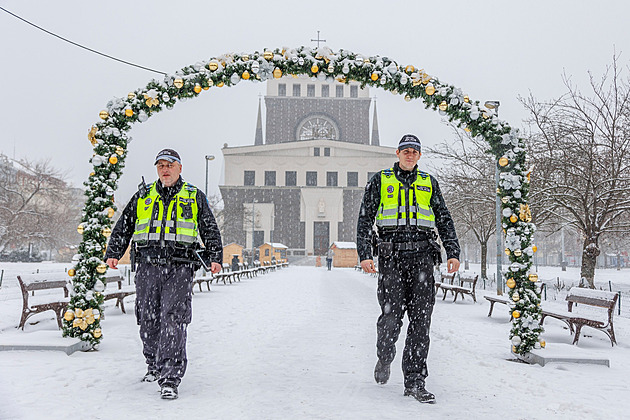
410, 246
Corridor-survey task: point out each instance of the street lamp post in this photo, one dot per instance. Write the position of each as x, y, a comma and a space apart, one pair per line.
208, 159
253, 220
495, 105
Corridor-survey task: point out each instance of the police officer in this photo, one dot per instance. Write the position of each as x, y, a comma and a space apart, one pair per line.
406, 205
166, 220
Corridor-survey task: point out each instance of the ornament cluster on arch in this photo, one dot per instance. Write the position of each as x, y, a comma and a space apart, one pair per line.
110, 140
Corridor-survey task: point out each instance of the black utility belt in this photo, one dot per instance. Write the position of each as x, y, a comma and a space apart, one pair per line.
409, 246
165, 261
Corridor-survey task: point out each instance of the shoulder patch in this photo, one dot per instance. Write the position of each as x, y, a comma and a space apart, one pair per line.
147, 201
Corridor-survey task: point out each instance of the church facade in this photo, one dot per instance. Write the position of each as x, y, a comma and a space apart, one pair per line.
302, 184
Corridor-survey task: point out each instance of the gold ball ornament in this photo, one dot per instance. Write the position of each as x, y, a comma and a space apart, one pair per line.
467, 129
220, 84
518, 253
410, 69
206, 87
101, 268
505, 199
331, 68
443, 106
516, 314
314, 68
407, 98
513, 349
197, 88
92, 135
516, 297
466, 99
277, 73
110, 212
213, 66
245, 57
374, 77
430, 90
543, 343
92, 173
178, 83
120, 150
513, 218
245, 75
103, 114
131, 96
503, 161
106, 232
533, 277
97, 333
68, 316
534, 248
507, 251
72, 272
129, 112
510, 283
113, 159
268, 55
80, 229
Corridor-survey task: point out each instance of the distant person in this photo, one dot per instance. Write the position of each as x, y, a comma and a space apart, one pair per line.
165, 221
406, 205
329, 258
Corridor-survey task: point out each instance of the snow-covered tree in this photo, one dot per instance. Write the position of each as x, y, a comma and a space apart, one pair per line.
581, 150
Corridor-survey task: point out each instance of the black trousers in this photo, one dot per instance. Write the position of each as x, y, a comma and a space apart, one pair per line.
406, 284
163, 311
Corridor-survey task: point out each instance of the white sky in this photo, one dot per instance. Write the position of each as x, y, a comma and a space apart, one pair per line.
52, 91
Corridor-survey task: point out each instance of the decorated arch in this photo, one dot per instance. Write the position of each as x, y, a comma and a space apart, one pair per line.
110, 140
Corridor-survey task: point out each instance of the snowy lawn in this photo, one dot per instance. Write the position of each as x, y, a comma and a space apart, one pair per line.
299, 343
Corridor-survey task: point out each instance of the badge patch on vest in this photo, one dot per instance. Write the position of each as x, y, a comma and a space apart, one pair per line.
147, 201
186, 200
423, 188
390, 189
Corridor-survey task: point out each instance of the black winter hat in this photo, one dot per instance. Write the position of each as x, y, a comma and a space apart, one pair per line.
409, 140
168, 154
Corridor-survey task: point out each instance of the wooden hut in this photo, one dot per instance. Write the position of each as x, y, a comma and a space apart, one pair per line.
344, 254
272, 249
230, 250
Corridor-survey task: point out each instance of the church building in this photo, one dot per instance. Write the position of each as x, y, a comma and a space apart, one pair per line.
304, 181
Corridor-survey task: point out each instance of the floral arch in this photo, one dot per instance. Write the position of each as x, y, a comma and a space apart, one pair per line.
109, 138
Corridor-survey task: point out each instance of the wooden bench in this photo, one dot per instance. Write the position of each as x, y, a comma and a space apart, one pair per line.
445, 282
206, 278
47, 281
577, 320
118, 294
497, 299
466, 286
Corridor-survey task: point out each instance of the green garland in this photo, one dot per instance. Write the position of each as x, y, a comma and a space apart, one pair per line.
111, 140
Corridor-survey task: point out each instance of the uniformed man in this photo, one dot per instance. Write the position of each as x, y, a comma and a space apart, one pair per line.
406, 205
166, 222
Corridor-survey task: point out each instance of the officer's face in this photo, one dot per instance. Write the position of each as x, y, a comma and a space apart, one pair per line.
408, 158
168, 172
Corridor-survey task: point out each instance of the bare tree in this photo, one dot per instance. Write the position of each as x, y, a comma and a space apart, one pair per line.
468, 182
35, 206
581, 149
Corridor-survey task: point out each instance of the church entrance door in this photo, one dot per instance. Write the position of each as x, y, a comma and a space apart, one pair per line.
321, 237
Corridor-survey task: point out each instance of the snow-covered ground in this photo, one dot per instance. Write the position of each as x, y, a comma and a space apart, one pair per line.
299, 343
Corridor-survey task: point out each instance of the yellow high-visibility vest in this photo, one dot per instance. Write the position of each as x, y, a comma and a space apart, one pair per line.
177, 224
402, 206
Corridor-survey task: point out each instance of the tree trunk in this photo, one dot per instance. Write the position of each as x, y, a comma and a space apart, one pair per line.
589, 260
484, 260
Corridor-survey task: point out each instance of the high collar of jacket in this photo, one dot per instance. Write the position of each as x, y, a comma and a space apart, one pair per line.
406, 177
167, 193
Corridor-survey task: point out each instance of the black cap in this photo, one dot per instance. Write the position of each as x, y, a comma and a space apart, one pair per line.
168, 154
409, 140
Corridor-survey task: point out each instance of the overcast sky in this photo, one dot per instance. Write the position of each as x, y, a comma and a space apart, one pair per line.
52, 92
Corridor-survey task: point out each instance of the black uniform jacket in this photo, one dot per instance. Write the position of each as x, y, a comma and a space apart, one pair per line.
370, 205
207, 225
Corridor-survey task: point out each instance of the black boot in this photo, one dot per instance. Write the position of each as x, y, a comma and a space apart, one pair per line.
169, 392
151, 376
381, 373
420, 394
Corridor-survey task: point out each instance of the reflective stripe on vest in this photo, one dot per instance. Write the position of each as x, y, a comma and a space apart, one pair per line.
405, 207
153, 226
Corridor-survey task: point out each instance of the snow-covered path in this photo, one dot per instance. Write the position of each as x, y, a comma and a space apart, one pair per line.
299, 343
